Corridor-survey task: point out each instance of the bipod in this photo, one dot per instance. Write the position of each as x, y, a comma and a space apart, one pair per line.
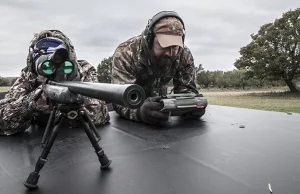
57, 117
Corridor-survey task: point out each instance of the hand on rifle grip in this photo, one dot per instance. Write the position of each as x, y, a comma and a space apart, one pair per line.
35, 102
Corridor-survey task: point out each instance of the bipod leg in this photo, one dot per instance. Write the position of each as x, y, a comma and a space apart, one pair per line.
91, 124
103, 159
49, 125
34, 176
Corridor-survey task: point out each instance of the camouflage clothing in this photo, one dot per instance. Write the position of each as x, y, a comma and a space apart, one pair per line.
16, 113
132, 63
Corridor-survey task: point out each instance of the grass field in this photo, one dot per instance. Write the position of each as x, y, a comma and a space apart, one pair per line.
4, 89
275, 99
272, 100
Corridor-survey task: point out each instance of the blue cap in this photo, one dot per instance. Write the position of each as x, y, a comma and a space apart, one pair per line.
47, 46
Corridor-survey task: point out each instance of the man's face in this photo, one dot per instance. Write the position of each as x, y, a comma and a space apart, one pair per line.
167, 52
168, 39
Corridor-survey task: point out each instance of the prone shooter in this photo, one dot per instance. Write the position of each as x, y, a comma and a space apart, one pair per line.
152, 60
66, 100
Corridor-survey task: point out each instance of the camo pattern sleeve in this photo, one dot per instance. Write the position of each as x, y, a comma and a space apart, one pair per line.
15, 114
184, 81
97, 109
123, 73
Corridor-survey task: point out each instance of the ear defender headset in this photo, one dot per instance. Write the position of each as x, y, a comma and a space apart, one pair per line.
149, 34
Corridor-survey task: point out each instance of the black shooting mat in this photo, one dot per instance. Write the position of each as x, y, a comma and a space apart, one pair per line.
230, 150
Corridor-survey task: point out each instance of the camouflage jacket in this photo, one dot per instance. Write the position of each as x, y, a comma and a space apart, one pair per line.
15, 116
132, 65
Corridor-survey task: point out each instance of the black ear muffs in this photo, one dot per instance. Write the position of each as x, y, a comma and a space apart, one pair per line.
30, 62
149, 34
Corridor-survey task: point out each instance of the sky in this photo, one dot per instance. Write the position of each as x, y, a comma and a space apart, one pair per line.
215, 29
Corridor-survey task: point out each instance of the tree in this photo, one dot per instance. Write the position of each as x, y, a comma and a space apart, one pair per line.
239, 78
205, 78
104, 70
4, 81
199, 68
216, 76
225, 80
274, 52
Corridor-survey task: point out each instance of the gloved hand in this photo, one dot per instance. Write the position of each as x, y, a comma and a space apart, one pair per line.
35, 100
150, 112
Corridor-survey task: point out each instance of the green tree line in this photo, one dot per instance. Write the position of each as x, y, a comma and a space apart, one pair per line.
236, 79
5, 81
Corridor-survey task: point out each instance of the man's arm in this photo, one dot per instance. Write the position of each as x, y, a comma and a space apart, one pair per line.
123, 73
16, 112
184, 81
97, 109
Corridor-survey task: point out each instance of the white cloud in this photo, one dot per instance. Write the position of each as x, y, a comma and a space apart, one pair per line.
215, 29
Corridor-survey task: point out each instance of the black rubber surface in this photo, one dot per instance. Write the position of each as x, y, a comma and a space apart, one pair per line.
213, 155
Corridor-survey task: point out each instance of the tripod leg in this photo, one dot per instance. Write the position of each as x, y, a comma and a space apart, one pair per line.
33, 177
103, 159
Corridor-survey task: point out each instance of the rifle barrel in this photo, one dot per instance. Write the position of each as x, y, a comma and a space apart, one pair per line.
128, 95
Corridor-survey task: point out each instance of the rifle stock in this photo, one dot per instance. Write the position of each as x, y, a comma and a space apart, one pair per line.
179, 104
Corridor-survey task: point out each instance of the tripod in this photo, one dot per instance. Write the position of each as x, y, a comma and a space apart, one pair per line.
59, 113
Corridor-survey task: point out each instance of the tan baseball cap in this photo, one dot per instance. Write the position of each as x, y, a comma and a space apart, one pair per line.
169, 32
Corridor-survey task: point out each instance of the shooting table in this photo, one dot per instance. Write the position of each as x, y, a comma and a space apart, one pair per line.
230, 150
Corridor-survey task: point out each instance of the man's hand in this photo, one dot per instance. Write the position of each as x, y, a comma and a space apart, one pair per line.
150, 112
42, 102
37, 100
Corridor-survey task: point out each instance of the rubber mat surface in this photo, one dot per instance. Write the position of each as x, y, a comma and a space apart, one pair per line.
229, 150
